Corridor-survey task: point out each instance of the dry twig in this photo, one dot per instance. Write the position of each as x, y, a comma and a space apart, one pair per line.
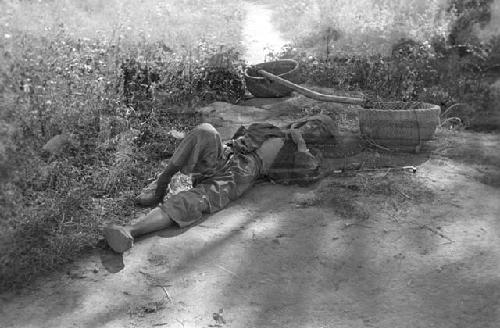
348, 225
167, 295
426, 227
229, 271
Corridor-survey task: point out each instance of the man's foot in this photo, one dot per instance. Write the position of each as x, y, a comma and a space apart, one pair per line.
118, 238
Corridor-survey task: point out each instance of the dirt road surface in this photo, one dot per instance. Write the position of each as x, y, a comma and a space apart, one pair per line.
381, 249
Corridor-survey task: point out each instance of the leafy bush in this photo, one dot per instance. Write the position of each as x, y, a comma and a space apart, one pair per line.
451, 66
171, 79
360, 28
439, 51
417, 72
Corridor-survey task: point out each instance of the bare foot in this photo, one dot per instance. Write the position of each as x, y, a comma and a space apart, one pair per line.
118, 238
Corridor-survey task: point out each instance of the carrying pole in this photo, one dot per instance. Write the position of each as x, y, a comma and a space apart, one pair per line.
310, 93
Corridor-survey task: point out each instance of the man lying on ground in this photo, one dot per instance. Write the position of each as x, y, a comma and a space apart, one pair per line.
222, 174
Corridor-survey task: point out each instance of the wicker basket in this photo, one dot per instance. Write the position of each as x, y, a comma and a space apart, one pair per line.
261, 87
399, 125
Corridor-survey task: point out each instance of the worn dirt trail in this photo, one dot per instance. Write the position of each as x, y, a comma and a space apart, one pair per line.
376, 250
259, 36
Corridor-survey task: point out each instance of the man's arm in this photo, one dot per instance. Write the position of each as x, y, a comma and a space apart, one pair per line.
163, 181
299, 140
152, 197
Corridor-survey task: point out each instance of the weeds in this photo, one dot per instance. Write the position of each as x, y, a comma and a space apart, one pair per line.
58, 77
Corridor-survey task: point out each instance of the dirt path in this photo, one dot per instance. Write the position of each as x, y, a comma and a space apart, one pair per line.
260, 35
374, 250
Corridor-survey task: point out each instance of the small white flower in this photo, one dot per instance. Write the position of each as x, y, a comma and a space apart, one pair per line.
7, 36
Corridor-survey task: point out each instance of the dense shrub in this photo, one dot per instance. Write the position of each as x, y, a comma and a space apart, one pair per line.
418, 72
455, 67
170, 79
360, 28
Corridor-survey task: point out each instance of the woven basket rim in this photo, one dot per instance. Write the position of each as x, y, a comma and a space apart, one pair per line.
428, 107
276, 61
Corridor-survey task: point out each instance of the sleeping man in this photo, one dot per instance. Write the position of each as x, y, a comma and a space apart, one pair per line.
222, 173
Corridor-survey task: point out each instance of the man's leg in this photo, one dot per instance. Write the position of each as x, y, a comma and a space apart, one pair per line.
121, 238
199, 152
187, 207
181, 209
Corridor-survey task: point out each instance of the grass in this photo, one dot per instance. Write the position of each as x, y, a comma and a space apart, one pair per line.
60, 72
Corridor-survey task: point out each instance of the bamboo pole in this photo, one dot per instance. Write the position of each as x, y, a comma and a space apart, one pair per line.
309, 93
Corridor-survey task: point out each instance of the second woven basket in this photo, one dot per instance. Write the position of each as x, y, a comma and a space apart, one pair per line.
399, 125
261, 87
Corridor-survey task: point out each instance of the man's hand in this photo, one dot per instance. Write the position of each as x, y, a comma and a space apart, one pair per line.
305, 160
149, 199
161, 186
153, 194
299, 141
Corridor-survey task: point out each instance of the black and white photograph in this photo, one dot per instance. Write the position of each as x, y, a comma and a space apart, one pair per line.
250, 163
